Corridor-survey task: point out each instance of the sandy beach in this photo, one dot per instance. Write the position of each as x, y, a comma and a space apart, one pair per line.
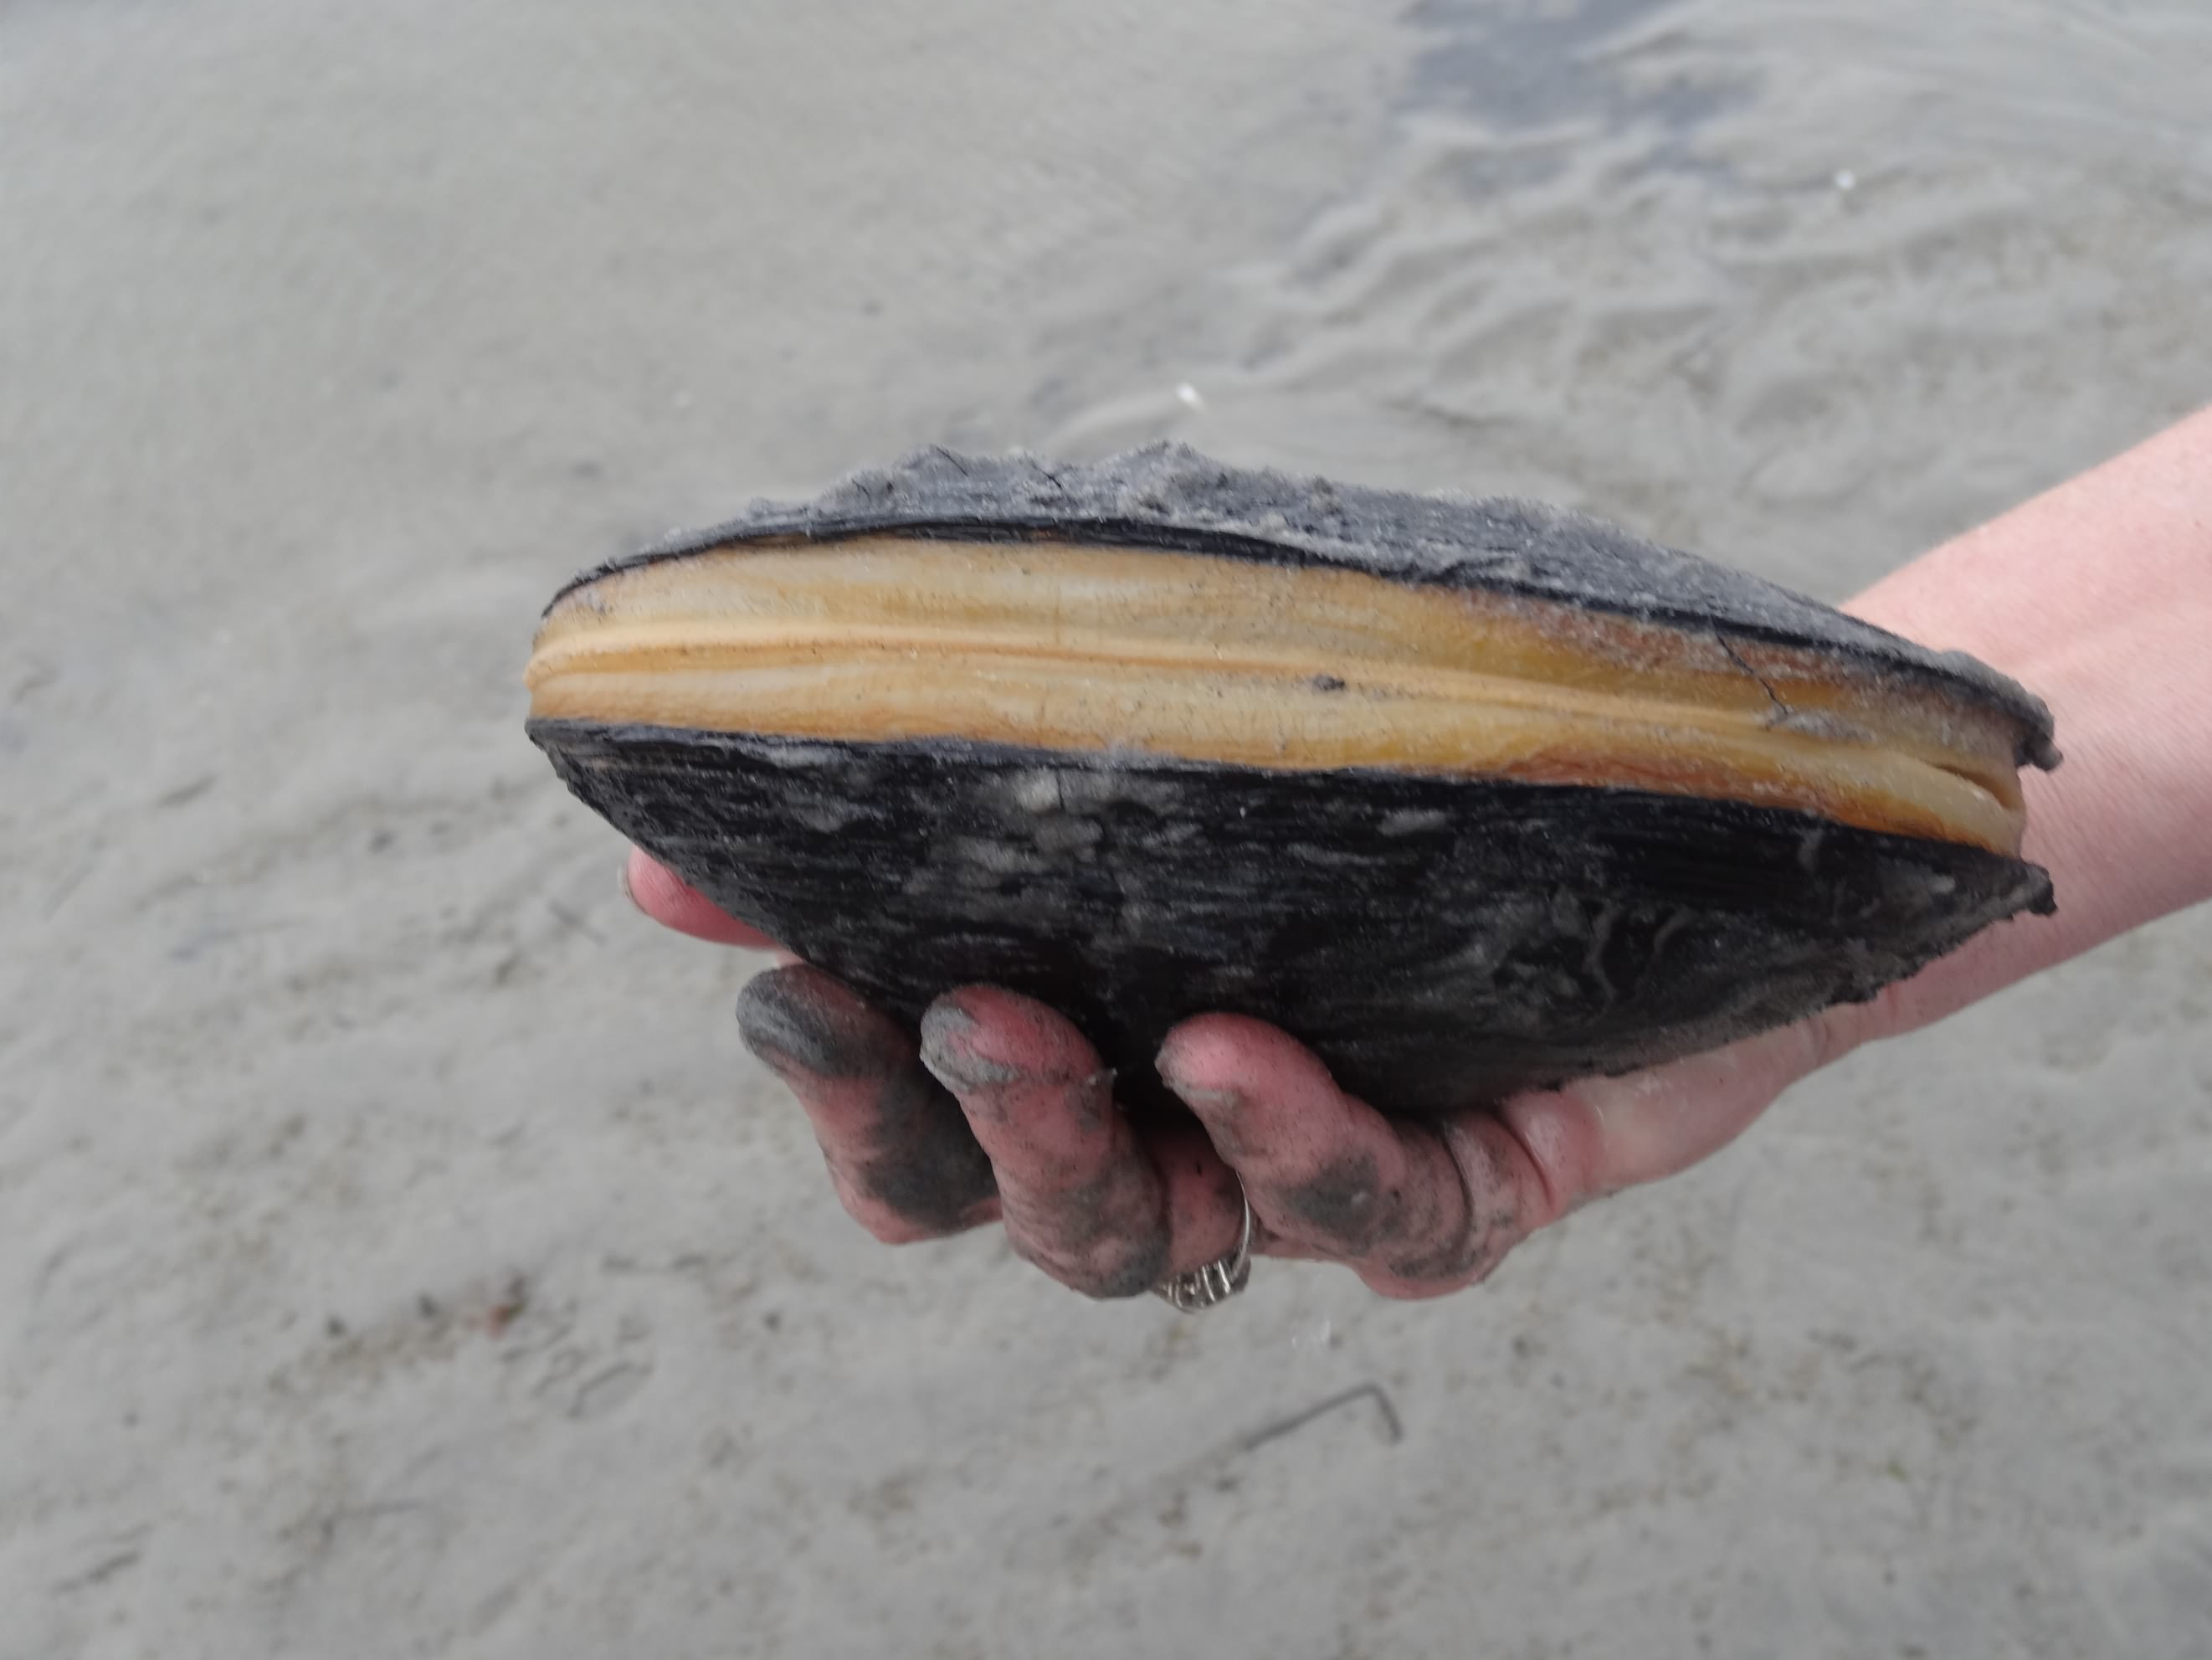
399, 1255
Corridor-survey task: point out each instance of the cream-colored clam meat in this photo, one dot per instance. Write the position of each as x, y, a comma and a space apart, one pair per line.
1067, 646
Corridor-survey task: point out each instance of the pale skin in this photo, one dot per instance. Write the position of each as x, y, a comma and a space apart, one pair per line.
2097, 595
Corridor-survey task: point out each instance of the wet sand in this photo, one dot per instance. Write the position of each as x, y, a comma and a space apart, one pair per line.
402, 1253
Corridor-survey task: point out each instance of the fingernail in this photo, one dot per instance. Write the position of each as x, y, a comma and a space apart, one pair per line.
1222, 1112
1225, 1098
947, 1035
622, 879
787, 1019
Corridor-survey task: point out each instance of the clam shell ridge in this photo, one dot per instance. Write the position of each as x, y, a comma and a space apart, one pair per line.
1440, 934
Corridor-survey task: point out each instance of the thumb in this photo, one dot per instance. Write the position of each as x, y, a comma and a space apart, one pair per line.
670, 901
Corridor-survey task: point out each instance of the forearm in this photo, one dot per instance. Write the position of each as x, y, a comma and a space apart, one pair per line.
2098, 597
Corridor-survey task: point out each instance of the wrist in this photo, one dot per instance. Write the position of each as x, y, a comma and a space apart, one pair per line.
2097, 597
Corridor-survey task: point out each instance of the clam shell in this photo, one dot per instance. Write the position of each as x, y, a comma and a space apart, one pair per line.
1442, 930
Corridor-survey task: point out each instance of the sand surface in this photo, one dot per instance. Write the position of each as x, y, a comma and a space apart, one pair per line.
400, 1256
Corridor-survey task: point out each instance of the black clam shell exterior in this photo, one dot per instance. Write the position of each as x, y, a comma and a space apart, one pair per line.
1439, 942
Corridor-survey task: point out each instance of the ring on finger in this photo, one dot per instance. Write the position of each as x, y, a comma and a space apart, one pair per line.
1217, 1281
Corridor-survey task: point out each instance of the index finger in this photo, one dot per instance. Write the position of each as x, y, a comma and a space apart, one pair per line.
669, 900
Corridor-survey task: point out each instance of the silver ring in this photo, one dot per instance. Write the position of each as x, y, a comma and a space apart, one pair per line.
1219, 1279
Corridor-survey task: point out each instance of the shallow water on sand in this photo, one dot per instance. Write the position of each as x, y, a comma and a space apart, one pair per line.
403, 1254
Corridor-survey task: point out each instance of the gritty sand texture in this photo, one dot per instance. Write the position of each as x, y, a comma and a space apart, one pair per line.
400, 1254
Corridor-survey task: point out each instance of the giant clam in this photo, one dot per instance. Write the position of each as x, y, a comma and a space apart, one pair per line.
1471, 796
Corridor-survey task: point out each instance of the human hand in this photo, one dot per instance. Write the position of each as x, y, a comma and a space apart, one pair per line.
998, 1110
